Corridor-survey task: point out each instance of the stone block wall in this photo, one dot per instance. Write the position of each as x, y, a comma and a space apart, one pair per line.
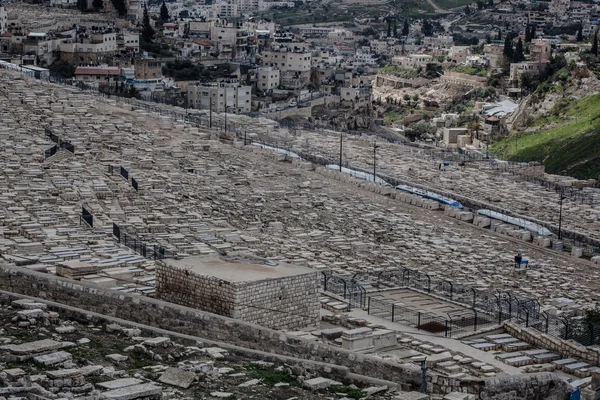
286, 303
566, 348
180, 286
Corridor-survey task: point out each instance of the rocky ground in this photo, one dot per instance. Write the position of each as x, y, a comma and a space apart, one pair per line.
47, 355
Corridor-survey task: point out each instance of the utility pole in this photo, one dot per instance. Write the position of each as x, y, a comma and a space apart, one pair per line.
341, 135
374, 157
562, 197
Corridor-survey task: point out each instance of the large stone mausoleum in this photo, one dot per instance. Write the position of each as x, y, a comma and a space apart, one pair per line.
275, 295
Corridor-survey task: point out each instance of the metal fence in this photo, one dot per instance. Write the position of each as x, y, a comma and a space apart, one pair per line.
148, 250
351, 291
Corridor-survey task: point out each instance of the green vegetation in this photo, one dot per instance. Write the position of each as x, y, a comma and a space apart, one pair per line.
340, 11
183, 70
448, 4
465, 69
399, 72
592, 315
269, 375
572, 148
348, 391
392, 116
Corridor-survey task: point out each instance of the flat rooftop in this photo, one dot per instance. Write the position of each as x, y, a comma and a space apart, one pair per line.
238, 271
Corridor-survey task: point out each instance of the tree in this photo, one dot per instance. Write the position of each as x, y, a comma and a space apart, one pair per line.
395, 29
427, 28
82, 5
480, 5
405, 28
164, 12
184, 14
499, 34
98, 4
527, 34
519, 55
389, 30
580, 33
467, 10
508, 47
120, 6
147, 30
594, 50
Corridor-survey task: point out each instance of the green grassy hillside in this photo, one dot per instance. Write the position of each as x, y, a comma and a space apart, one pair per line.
571, 146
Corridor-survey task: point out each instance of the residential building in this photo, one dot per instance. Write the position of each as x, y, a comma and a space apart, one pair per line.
379, 46
230, 96
413, 61
171, 29
355, 97
364, 56
313, 31
225, 9
148, 68
3, 20
286, 59
541, 50
494, 53
231, 38
93, 47
341, 35
533, 68
96, 75
477, 62
438, 42
267, 78
63, 3
128, 42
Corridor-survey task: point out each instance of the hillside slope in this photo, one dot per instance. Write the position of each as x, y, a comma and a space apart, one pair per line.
566, 136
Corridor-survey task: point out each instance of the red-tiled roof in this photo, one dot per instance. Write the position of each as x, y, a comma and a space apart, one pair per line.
97, 71
7, 34
205, 43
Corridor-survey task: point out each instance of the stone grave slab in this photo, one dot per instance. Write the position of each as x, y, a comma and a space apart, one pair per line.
177, 377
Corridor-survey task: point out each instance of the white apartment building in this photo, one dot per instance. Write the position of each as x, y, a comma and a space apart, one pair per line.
225, 9
364, 56
267, 78
63, 3
287, 61
223, 95
129, 41
531, 67
412, 61
267, 5
3, 20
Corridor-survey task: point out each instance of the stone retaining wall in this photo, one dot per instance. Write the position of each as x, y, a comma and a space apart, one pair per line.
566, 348
188, 321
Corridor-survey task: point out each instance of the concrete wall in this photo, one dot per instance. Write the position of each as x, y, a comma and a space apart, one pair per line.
202, 324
